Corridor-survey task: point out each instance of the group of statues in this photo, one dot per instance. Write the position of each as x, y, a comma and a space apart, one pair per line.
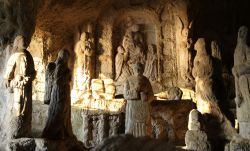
203, 71
132, 50
84, 61
20, 73
135, 84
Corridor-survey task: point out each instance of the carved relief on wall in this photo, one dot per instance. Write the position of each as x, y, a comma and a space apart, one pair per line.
134, 47
184, 43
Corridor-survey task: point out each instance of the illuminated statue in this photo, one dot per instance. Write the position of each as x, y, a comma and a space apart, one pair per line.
241, 71
203, 71
184, 57
138, 93
58, 124
20, 73
85, 51
122, 68
195, 138
205, 97
151, 64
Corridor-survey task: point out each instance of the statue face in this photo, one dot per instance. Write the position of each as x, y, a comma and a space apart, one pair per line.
83, 36
200, 44
135, 28
19, 42
151, 49
242, 34
184, 32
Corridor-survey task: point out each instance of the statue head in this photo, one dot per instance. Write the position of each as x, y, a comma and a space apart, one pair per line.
199, 46
120, 49
63, 55
185, 32
84, 36
242, 34
193, 120
129, 22
19, 43
135, 28
151, 49
138, 69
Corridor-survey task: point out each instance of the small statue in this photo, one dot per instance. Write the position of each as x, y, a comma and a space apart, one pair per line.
241, 71
151, 66
85, 50
185, 62
58, 124
216, 52
195, 138
138, 93
20, 73
122, 69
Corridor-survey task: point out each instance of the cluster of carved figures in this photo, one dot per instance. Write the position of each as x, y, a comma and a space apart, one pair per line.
19, 75
136, 87
132, 51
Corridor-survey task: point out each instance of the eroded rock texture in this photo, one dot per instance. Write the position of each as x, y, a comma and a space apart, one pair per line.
117, 33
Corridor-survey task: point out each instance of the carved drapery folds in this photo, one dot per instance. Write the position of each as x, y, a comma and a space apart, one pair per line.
58, 124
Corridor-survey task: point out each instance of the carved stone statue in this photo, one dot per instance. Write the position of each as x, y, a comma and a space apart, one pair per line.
129, 53
206, 99
122, 69
184, 53
20, 73
85, 47
150, 70
241, 71
138, 93
58, 124
203, 71
216, 52
195, 138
